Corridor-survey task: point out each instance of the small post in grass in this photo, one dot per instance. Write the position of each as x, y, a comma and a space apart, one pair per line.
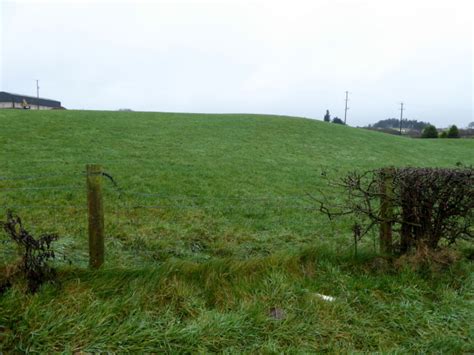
386, 209
95, 215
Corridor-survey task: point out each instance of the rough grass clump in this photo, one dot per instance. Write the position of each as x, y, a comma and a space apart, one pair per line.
426, 259
36, 252
271, 304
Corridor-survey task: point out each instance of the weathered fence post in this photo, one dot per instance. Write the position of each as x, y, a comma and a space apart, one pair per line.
95, 215
386, 209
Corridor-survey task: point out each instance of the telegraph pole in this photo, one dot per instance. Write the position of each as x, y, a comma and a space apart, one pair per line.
345, 110
401, 116
37, 94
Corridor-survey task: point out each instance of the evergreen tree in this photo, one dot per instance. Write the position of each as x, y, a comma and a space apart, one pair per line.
453, 132
327, 117
430, 132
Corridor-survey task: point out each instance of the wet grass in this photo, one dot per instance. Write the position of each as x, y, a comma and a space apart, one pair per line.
224, 305
212, 228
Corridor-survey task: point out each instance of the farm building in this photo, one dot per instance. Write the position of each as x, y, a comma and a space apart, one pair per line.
9, 100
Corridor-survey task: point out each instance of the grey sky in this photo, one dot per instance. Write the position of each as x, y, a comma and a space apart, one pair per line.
282, 57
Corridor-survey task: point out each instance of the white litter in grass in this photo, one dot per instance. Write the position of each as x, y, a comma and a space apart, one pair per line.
326, 298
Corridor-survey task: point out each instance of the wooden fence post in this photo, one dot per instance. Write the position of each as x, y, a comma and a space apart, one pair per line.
386, 209
95, 215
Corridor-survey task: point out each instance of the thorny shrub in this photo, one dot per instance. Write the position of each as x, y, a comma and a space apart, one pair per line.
36, 252
428, 205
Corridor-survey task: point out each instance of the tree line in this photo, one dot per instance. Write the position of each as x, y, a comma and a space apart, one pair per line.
431, 131
414, 127
394, 123
421, 129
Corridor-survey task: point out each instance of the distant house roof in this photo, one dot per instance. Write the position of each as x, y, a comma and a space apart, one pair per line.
9, 97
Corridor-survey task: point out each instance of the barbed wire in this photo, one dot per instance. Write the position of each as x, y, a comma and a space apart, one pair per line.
163, 206
160, 195
43, 206
291, 207
268, 201
210, 197
196, 198
42, 176
42, 188
69, 162
116, 162
33, 177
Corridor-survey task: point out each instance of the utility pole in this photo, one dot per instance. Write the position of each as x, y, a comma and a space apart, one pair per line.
345, 110
401, 116
37, 94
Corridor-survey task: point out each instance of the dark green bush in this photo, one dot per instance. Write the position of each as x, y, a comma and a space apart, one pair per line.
327, 117
453, 132
430, 132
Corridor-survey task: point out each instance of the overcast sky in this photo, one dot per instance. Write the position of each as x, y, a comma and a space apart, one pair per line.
261, 56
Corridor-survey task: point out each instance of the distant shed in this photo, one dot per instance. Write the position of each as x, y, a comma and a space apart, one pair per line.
9, 100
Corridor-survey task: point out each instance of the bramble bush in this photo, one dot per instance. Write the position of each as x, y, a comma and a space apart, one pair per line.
427, 205
35, 253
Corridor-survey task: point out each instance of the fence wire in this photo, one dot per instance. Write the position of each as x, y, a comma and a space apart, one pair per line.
210, 197
34, 177
43, 206
194, 201
35, 188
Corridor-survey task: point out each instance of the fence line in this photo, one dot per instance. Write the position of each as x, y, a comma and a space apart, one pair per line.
94, 174
42, 188
167, 196
33, 177
43, 206
170, 207
209, 197
210, 207
153, 194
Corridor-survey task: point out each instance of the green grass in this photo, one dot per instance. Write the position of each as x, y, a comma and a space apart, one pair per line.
235, 235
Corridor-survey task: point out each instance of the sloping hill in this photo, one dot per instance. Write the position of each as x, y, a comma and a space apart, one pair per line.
237, 180
208, 231
79, 136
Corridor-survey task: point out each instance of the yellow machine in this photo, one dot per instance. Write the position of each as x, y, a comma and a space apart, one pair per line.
25, 105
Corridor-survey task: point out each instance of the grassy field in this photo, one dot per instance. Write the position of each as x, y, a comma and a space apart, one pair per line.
209, 229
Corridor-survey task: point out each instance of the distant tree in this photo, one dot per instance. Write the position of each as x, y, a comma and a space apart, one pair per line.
443, 134
453, 132
327, 117
430, 131
337, 120
394, 123
470, 125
